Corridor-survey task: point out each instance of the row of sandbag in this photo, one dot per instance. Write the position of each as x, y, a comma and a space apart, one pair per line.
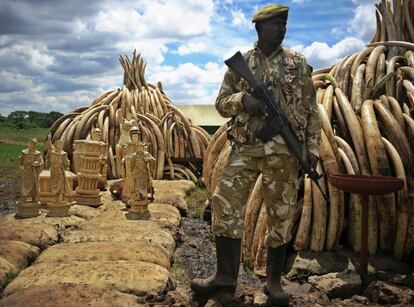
168, 132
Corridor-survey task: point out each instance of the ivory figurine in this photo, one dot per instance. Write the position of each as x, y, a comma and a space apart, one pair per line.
130, 148
31, 164
138, 180
124, 139
59, 162
92, 161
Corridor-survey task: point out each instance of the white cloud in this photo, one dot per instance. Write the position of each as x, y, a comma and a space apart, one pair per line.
119, 20
188, 73
240, 20
360, 30
43, 102
191, 47
4, 39
172, 17
69, 101
105, 82
226, 40
33, 55
79, 27
189, 83
319, 54
35, 71
233, 50
372, 2
363, 24
149, 26
14, 82
39, 59
152, 50
337, 31
161, 19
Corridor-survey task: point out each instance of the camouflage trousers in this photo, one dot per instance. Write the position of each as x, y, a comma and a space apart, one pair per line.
280, 183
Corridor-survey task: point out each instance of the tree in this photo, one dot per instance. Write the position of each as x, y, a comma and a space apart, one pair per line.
17, 116
51, 118
31, 119
19, 120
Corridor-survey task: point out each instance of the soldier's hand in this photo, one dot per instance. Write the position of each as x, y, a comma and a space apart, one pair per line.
252, 106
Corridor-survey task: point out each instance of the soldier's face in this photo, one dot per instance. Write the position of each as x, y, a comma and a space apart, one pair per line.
272, 31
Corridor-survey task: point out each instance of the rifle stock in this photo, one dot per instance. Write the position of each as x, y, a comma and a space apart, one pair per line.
239, 66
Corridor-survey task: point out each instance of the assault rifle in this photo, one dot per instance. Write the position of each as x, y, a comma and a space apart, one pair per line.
277, 123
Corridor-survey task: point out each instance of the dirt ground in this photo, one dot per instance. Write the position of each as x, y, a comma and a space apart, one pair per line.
9, 194
195, 257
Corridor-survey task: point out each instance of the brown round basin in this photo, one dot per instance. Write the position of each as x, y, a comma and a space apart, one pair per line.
366, 185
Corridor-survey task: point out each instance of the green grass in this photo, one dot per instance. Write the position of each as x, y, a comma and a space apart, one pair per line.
9, 153
9, 161
196, 201
178, 273
21, 136
12, 142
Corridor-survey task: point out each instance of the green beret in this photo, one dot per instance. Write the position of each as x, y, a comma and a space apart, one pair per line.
270, 11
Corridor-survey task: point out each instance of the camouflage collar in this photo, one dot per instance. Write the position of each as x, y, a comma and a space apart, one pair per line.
260, 52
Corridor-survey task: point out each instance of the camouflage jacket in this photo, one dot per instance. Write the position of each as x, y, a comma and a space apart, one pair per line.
288, 77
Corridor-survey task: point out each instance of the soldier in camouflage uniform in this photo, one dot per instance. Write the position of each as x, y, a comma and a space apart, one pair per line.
288, 78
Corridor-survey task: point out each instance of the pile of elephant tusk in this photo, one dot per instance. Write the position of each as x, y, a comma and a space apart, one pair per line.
366, 106
169, 133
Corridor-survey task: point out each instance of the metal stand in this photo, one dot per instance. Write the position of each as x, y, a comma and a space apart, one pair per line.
363, 255
366, 186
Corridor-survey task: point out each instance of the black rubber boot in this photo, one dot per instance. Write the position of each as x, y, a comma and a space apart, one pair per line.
274, 265
225, 278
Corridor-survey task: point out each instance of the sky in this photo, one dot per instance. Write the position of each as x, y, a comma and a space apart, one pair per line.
61, 54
